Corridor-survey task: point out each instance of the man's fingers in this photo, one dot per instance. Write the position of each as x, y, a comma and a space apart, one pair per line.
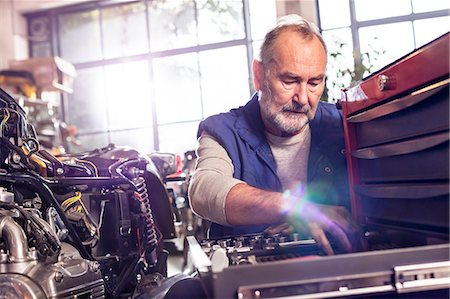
280, 228
319, 235
341, 237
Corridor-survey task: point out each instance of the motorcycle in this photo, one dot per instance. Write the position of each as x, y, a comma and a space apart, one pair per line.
87, 225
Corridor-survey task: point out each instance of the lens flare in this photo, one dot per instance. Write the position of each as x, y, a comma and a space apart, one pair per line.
299, 204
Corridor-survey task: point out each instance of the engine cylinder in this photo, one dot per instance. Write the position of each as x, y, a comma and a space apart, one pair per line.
15, 239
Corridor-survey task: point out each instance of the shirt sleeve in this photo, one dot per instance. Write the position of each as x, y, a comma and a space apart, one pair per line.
212, 180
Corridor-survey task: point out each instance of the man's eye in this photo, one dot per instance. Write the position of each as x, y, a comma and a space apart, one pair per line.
289, 82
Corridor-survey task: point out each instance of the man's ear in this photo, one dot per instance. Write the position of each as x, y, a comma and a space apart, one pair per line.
258, 74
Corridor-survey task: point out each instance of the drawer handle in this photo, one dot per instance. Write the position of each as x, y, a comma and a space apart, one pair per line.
385, 83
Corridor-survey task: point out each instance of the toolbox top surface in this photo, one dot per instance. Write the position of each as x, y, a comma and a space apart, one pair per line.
422, 66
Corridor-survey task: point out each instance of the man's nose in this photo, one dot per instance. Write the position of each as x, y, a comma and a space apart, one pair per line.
301, 94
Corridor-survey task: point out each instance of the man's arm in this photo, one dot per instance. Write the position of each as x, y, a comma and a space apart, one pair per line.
212, 180
217, 196
246, 205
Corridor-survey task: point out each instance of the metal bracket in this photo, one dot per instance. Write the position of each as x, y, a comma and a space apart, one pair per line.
421, 277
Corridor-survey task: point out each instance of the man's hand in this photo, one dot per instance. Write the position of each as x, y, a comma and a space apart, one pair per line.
281, 228
317, 219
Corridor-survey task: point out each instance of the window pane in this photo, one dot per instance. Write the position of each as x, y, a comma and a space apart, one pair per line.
128, 94
178, 138
177, 88
378, 9
428, 29
334, 13
89, 142
41, 49
172, 24
395, 40
257, 48
340, 61
80, 36
140, 139
220, 20
430, 5
225, 83
86, 106
124, 30
263, 15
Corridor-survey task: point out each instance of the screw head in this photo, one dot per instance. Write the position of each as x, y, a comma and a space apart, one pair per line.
58, 276
15, 158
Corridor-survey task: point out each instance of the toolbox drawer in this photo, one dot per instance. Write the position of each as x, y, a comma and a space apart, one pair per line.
425, 158
426, 115
412, 206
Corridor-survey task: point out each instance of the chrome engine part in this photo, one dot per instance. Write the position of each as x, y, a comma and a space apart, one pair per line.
86, 225
23, 275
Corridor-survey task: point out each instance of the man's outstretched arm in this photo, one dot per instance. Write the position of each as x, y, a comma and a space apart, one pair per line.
217, 196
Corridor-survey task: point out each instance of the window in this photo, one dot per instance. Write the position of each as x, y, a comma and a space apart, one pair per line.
177, 88
80, 36
219, 21
86, 107
220, 91
370, 34
172, 24
123, 29
150, 71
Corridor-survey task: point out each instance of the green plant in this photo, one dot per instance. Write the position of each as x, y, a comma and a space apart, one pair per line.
344, 71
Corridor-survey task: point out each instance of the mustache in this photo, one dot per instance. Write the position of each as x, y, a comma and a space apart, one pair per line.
296, 107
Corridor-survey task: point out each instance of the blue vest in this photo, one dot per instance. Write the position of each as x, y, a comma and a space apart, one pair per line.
241, 133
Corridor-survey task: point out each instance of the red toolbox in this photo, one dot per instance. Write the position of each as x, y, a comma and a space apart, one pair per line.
397, 137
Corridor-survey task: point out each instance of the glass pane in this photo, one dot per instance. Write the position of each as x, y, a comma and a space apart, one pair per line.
334, 13
378, 9
383, 44
225, 82
89, 142
128, 94
430, 5
340, 67
124, 30
178, 138
139, 139
177, 88
263, 16
257, 49
428, 29
41, 49
172, 24
80, 36
220, 20
86, 107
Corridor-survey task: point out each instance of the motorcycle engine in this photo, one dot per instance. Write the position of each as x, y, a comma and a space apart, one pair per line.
86, 225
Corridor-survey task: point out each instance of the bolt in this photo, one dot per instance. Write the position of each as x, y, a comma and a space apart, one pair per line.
94, 266
15, 158
59, 171
58, 276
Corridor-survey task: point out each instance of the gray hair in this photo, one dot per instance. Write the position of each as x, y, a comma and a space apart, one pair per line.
289, 22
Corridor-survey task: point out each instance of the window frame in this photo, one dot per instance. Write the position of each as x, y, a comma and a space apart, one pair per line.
355, 25
149, 56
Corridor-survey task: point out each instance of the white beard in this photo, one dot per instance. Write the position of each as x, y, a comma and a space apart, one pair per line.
290, 119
